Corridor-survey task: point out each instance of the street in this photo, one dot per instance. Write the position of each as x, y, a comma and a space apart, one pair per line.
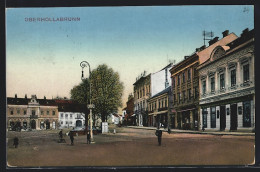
129, 147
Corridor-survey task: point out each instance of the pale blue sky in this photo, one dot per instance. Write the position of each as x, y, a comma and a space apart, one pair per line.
43, 57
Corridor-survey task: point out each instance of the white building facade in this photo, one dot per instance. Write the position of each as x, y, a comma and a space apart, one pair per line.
71, 120
227, 86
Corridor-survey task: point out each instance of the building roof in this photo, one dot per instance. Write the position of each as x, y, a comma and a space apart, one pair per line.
26, 101
70, 106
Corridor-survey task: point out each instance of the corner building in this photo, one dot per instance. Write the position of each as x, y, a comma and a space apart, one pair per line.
227, 86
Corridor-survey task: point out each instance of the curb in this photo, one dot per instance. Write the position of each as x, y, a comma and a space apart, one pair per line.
199, 132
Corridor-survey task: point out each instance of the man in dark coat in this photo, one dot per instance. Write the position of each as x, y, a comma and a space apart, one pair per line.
88, 137
60, 135
16, 142
159, 135
71, 138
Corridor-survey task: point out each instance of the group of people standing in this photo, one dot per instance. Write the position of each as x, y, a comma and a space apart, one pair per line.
71, 135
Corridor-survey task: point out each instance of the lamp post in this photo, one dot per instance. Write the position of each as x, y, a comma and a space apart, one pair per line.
90, 106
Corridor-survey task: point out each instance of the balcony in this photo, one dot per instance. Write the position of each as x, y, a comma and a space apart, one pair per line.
33, 116
246, 84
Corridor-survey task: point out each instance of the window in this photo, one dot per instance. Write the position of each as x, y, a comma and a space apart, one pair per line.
189, 93
159, 103
189, 74
70, 115
222, 81
53, 113
24, 112
212, 83
173, 82
204, 87
246, 72
66, 122
246, 114
179, 79
33, 112
48, 113
66, 116
166, 105
174, 97
213, 117
233, 77
195, 92
70, 122
12, 112
42, 113
61, 122
179, 97
183, 77
18, 111
155, 105
184, 95
138, 94
61, 115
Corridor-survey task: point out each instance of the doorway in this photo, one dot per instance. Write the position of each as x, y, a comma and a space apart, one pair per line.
47, 125
233, 118
222, 118
33, 124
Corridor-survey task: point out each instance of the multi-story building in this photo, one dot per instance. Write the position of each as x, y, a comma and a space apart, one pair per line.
141, 94
185, 84
71, 114
227, 86
33, 113
159, 109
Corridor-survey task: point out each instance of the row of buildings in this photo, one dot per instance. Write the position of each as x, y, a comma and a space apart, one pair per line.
213, 88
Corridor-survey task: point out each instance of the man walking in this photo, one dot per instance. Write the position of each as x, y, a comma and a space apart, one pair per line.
158, 133
88, 137
16, 142
71, 138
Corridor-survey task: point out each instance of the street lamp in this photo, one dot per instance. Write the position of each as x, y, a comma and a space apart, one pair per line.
90, 106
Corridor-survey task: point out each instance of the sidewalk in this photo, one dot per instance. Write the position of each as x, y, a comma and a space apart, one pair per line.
238, 133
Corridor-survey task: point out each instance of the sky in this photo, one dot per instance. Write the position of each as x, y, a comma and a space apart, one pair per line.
43, 57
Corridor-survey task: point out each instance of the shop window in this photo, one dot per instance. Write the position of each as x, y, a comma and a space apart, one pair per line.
247, 114
213, 117
204, 117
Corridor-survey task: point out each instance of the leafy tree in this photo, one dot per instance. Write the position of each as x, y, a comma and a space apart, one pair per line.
106, 90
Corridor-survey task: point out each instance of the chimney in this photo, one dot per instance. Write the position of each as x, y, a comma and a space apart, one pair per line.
245, 32
44, 98
225, 33
213, 41
25, 96
15, 96
202, 47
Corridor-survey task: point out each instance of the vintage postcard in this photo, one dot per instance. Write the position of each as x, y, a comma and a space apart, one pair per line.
130, 86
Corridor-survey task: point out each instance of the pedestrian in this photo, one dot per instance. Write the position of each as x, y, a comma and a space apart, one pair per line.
60, 135
16, 142
88, 137
169, 130
71, 138
158, 133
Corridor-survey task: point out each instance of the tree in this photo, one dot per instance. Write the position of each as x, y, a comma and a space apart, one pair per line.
106, 90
